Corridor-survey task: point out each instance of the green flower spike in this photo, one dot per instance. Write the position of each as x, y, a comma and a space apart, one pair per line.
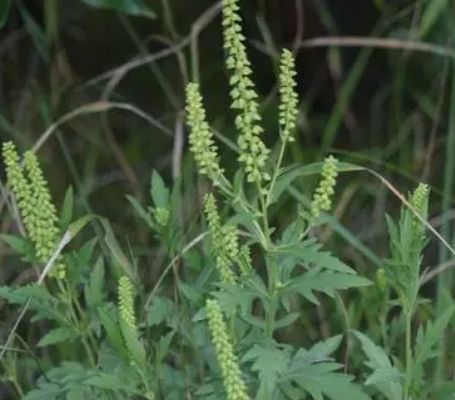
47, 220
253, 153
231, 241
322, 200
35, 205
288, 109
20, 188
245, 263
222, 248
419, 201
202, 146
128, 324
232, 376
126, 301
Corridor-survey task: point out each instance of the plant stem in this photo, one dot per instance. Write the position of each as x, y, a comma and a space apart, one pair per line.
272, 268
408, 354
276, 172
71, 303
270, 318
81, 313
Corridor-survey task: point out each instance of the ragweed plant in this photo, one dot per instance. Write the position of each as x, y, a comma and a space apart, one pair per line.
407, 242
207, 313
285, 258
403, 274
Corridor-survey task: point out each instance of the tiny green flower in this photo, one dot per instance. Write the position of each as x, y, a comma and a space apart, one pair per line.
322, 200
288, 109
202, 145
232, 376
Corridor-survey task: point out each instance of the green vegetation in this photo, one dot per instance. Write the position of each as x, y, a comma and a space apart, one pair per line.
259, 268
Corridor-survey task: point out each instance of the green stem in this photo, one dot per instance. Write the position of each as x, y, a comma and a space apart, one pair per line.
76, 321
148, 393
408, 354
276, 172
89, 351
80, 311
265, 221
272, 306
270, 318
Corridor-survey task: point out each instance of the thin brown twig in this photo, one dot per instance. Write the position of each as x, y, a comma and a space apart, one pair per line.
119, 73
204, 20
383, 43
180, 56
94, 108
